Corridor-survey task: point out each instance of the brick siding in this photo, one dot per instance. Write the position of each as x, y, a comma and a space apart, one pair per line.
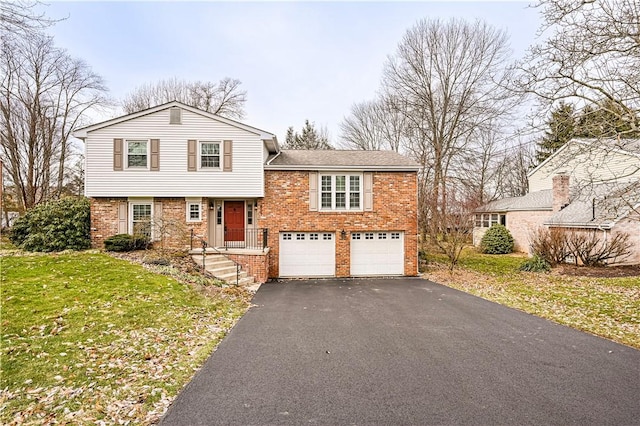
256, 265
174, 226
285, 207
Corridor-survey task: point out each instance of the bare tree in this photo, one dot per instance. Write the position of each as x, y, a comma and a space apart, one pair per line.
44, 94
510, 175
224, 98
374, 125
448, 81
18, 16
590, 58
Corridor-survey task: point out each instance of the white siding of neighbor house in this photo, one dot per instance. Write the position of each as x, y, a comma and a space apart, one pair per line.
173, 179
585, 165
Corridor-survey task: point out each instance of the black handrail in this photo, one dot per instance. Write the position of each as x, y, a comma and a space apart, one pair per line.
245, 238
204, 254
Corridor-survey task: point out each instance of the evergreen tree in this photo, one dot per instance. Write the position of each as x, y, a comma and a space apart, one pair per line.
310, 138
562, 127
607, 119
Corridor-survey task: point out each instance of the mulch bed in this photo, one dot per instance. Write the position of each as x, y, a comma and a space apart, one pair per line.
598, 272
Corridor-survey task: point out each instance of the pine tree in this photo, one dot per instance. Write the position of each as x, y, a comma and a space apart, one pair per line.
562, 127
607, 119
310, 138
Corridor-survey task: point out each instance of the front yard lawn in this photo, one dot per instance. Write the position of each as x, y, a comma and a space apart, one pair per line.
605, 306
87, 338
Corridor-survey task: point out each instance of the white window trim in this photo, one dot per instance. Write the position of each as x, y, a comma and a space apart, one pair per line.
347, 208
126, 154
194, 202
220, 154
145, 201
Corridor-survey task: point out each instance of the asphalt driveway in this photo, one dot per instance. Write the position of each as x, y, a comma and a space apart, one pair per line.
405, 351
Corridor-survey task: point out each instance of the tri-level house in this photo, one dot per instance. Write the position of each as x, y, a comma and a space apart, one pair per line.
587, 186
189, 178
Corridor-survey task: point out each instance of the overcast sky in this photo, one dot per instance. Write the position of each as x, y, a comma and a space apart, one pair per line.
296, 60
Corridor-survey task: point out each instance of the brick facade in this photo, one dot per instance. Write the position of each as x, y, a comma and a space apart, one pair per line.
285, 207
521, 224
170, 214
256, 265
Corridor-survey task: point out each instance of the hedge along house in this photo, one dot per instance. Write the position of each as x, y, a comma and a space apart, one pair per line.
183, 176
586, 186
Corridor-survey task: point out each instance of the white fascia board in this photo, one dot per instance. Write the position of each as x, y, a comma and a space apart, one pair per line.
345, 168
82, 132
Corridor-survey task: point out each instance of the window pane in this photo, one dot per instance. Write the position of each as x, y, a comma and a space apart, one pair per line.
326, 200
354, 200
194, 211
137, 147
141, 212
341, 183
354, 183
210, 149
341, 200
326, 183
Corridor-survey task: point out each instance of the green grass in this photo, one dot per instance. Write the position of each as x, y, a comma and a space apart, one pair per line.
87, 337
608, 307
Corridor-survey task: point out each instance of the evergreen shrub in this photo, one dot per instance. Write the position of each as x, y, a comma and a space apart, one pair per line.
497, 240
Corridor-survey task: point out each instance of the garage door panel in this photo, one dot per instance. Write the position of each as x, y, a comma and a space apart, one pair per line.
307, 254
377, 253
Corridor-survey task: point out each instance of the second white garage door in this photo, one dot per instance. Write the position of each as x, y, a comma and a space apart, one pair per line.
377, 253
307, 254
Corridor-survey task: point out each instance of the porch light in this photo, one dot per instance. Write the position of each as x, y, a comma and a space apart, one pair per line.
343, 234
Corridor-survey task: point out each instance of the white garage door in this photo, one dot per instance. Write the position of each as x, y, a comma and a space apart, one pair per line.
377, 253
307, 254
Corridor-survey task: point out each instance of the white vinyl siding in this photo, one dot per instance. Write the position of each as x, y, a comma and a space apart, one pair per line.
173, 179
585, 164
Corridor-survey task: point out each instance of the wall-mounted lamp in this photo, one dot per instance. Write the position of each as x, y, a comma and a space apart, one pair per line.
343, 234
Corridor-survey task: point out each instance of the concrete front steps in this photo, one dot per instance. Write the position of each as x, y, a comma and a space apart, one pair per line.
223, 269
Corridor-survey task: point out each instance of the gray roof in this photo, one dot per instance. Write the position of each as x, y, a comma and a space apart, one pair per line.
289, 159
599, 206
539, 200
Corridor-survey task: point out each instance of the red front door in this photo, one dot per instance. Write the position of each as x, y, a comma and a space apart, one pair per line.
234, 220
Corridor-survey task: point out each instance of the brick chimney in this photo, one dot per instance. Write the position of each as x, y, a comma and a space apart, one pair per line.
560, 192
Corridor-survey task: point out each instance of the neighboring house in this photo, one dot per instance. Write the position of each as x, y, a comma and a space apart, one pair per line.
183, 176
584, 186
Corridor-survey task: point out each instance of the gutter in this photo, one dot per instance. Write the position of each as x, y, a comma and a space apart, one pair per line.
268, 166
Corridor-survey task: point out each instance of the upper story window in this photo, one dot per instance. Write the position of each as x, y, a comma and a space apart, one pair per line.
137, 154
340, 192
210, 155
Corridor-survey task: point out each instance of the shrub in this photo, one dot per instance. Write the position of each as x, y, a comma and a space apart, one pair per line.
550, 245
497, 240
54, 226
126, 242
535, 264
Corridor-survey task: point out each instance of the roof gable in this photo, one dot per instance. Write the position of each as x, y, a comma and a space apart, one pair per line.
629, 147
83, 132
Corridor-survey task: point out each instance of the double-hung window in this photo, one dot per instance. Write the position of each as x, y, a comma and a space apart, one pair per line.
210, 155
141, 219
340, 192
137, 154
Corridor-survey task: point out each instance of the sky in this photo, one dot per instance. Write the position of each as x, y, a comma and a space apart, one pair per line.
296, 60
